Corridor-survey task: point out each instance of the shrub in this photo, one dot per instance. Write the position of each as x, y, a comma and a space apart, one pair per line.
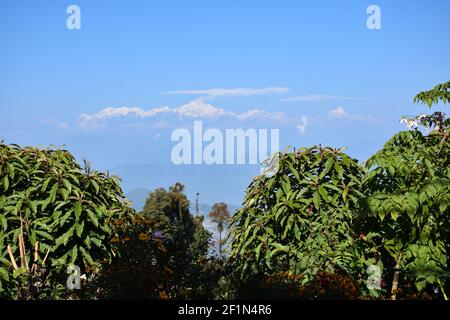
59, 208
299, 220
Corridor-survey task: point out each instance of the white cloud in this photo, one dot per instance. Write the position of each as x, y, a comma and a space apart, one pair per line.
109, 113
316, 98
55, 123
63, 125
261, 114
233, 92
199, 109
341, 113
195, 109
303, 124
93, 121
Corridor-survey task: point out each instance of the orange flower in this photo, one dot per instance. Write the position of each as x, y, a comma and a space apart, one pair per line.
143, 237
115, 240
163, 295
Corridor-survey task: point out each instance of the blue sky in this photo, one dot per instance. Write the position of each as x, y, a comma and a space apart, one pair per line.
313, 59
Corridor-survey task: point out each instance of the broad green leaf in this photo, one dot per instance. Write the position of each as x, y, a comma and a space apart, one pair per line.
11, 171
65, 217
64, 239
67, 185
92, 217
80, 228
77, 209
53, 192
74, 254
3, 222
4, 274
5, 183
86, 256
316, 200
323, 192
258, 250
44, 234
96, 187
339, 170
45, 185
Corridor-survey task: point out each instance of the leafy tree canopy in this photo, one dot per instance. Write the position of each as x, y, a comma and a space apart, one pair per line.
408, 187
300, 219
57, 207
185, 238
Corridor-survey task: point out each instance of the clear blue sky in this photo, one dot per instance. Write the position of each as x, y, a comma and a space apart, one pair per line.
128, 53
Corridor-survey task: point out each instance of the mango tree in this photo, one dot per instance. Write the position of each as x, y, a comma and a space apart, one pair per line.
62, 213
299, 219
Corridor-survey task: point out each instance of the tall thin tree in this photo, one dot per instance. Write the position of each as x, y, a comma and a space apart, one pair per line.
220, 215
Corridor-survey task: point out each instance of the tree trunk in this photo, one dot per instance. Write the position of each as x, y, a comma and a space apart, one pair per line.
220, 243
396, 278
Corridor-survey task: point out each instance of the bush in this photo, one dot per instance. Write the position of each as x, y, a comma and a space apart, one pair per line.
300, 219
51, 204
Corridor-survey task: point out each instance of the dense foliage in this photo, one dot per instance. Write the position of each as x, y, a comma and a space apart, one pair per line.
184, 236
320, 211
407, 208
63, 210
137, 271
299, 220
317, 225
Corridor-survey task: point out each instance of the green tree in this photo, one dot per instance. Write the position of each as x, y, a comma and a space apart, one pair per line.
55, 211
299, 220
407, 207
184, 236
170, 211
220, 216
